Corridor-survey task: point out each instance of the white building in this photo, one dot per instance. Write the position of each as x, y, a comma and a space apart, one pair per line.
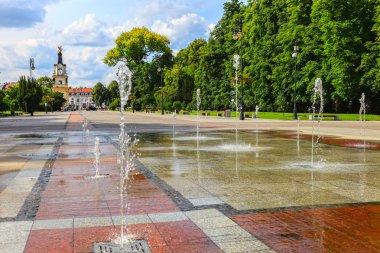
80, 98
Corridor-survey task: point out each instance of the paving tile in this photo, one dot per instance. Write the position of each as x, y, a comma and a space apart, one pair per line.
132, 219
161, 249
214, 222
205, 201
207, 247
341, 229
203, 214
12, 247
84, 238
148, 232
15, 232
53, 224
241, 246
85, 222
167, 217
181, 232
48, 241
220, 234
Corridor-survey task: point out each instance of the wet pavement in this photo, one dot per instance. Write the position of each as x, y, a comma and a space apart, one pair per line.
257, 189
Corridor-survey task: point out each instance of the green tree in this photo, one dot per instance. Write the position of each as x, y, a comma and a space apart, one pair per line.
144, 52
99, 94
57, 100
11, 99
29, 94
370, 81
45, 81
113, 90
3, 104
136, 46
342, 30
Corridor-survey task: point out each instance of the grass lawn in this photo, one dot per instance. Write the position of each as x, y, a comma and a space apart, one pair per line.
289, 116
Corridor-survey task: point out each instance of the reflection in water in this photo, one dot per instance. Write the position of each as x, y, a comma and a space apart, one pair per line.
275, 178
263, 179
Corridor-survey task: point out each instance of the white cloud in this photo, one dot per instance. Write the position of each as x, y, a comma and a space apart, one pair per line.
182, 30
34, 28
87, 31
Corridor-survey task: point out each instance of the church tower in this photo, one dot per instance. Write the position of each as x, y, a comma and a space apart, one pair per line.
60, 77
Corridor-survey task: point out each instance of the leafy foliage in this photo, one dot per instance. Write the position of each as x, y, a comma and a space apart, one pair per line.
338, 42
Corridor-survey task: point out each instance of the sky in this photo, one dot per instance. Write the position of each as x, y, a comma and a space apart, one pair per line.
87, 29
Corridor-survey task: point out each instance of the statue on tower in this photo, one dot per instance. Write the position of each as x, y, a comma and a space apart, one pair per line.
60, 49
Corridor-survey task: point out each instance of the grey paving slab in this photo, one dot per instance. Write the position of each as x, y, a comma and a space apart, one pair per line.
203, 214
132, 219
12, 247
86, 222
15, 232
206, 201
167, 217
242, 246
53, 224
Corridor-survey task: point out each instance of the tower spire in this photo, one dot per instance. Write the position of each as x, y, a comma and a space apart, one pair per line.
60, 49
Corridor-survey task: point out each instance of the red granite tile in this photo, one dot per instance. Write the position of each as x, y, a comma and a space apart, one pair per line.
341, 229
181, 232
84, 238
161, 249
206, 247
146, 232
57, 241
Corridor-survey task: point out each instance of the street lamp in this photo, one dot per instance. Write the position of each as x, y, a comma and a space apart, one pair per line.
295, 55
31, 66
237, 36
162, 91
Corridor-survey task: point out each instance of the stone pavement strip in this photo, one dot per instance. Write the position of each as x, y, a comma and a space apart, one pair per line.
174, 215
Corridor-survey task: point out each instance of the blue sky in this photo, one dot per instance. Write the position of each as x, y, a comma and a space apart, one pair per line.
87, 29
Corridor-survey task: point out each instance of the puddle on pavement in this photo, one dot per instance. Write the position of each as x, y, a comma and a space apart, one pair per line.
261, 161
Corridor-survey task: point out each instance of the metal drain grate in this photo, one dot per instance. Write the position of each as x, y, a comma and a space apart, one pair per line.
140, 246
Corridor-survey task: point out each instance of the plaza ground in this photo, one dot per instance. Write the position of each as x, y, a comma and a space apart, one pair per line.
178, 200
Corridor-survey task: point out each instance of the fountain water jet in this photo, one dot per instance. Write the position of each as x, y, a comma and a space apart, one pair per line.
198, 104
96, 162
257, 117
318, 92
88, 137
126, 157
174, 119
84, 129
362, 112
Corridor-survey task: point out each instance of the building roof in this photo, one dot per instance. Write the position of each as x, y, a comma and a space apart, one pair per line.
85, 90
8, 85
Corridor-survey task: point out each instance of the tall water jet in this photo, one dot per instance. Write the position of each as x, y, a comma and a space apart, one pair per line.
125, 155
97, 155
198, 104
173, 121
88, 136
236, 66
318, 94
84, 128
362, 112
257, 117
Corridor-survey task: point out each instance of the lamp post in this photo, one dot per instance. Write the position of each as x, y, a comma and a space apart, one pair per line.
31, 66
238, 36
162, 91
295, 55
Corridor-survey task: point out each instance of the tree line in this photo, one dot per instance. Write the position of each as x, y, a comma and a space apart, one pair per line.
30, 95
338, 41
